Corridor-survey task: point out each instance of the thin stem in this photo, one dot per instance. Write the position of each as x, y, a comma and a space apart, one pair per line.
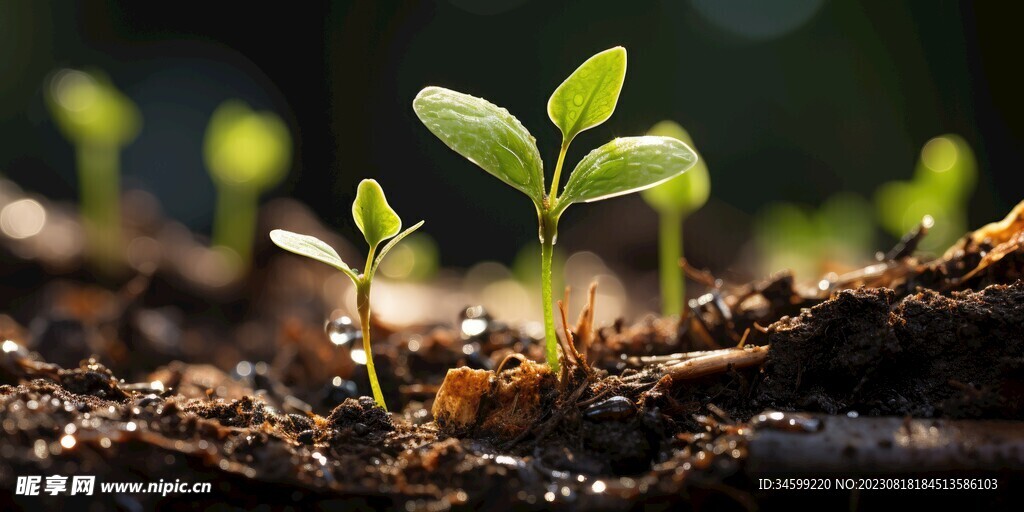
100, 195
363, 306
558, 172
234, 221
670, 251
549, 231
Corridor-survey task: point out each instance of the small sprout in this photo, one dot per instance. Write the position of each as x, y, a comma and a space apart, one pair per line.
836, 237
495, 140
945, 176
99, 120
247, 153
674, 200
378, 222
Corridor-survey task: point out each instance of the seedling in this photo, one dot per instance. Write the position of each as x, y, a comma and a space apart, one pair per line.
98, 120
674, 200
945, 176
490, 137
247, 153
378, 222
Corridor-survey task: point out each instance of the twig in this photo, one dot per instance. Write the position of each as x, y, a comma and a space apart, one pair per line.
720, 361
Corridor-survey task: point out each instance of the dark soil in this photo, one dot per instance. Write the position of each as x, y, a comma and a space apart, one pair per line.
272, 414
927, 355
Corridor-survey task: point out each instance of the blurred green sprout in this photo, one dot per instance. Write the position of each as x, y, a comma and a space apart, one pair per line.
943, 181
674, 200
99, 120
247, 153
812, 242
495, 140
378, 222
417, 259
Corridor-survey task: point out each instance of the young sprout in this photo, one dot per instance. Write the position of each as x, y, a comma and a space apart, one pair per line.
674, 200
99, 120
378, 222
490, 137
247, 153
945, 176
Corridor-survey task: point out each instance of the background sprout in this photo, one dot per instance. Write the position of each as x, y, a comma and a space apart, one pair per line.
674, 200
943, 181
247, 153
98, 120
417, 259
836, 237
495, 140
378, 222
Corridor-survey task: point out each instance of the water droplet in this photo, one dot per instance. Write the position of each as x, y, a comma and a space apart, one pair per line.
577, 100
342, 331
792, 422
474, 321
358, 356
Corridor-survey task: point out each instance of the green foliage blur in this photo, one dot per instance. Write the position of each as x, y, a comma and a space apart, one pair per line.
841, 234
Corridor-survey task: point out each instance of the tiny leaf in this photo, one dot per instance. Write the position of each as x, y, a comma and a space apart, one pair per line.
373, 214
686, 192
310, 247
486, 135
391, 244
588, 97
626, 165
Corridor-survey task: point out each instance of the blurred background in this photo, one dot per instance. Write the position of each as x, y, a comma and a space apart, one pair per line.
814, 117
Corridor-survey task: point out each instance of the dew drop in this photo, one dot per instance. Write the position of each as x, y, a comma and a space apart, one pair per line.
358, 356
474, 321
577, 100
342, 331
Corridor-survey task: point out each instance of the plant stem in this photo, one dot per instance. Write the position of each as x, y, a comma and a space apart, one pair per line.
670, 251
234, 221
553, 196
100, 195
549, 231
363, 306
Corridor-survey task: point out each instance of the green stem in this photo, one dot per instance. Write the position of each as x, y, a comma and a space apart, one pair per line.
549, 232
363, 306
553, 196
100, 188
234, 221
670, 251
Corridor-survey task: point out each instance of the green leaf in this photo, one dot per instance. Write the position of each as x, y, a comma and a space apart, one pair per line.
391, 244
588, 97
310, 247
373, 214
626, 165
486, 135
686, 192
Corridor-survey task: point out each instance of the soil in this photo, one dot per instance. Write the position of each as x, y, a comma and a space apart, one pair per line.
902, 361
